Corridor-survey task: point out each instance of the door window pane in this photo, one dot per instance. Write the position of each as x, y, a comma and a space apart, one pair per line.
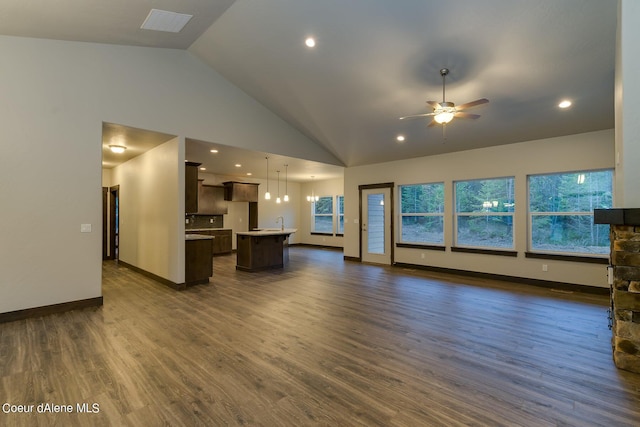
375, 223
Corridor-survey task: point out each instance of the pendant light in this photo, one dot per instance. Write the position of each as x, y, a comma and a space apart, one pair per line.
312, 197
267, 195
278, 198
286, 192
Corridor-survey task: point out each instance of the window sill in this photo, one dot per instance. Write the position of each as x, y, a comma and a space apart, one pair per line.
571, 258
315, 233
420, 246
498, 252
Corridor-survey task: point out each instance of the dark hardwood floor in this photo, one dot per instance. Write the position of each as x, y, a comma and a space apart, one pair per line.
322, 342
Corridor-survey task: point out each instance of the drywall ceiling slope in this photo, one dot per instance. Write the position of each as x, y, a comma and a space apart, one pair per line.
377, 60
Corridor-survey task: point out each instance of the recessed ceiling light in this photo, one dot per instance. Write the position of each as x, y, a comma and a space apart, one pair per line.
203, 169
214, 151
117, 148
238, 165
249, 174
310, 42
400, 138
565, 104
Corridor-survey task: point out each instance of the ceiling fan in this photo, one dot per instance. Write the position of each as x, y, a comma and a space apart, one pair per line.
444, 112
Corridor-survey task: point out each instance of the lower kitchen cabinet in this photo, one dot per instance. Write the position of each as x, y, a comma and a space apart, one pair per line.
221, 239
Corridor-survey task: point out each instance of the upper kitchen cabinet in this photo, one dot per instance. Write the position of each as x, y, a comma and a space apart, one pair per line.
211, 200
240, 191
191, 187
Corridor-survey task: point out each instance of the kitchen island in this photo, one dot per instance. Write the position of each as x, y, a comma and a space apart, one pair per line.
262, 249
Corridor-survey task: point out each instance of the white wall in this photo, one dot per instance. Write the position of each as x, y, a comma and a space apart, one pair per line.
54, 97
328, 187
593, 150
151, 218
627, 105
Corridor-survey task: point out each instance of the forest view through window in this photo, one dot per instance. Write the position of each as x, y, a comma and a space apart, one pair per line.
484, 213
422, 213
322, 215
561, 212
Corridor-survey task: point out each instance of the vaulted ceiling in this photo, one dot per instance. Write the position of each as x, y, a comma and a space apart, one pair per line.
377, 60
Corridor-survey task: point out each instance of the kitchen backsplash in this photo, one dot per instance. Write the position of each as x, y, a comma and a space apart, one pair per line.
203, 221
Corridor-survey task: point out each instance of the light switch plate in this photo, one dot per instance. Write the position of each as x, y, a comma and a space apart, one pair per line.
85, 228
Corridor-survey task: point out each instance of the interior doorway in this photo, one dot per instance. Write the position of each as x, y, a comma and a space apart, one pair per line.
114, 222
105, 222
376, 223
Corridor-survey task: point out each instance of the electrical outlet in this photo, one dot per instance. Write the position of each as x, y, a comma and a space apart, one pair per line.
186, 220
210, 220
545, 267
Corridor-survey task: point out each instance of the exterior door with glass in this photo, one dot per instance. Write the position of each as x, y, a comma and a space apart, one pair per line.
376, 225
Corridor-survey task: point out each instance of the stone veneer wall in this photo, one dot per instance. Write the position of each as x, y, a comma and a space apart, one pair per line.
625, 296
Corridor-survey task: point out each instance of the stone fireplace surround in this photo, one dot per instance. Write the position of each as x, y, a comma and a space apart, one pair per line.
624, 280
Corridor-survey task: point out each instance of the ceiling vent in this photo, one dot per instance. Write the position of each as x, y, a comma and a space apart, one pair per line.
163, 20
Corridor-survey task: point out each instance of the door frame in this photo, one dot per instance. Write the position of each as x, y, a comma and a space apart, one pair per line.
384, 185
105, 221
114, 192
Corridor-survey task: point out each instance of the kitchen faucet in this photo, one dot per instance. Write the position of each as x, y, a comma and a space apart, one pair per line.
281, 218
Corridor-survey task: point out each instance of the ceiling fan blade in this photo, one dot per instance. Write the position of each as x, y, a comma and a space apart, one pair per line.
432, 124
462, 115
416, 116
472, 104
434, 104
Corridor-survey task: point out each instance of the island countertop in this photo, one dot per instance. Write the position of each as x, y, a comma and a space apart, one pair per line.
187, 230
268, 232
197, 237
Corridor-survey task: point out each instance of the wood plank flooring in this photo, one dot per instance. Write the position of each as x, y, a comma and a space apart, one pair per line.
322, 342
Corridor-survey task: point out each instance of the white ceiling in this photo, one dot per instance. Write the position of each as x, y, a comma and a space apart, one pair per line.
377, 60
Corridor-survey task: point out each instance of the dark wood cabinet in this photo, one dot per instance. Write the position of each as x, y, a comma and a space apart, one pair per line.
222, 242
211, 200
258, 252
240, 191
191, 187
198, 261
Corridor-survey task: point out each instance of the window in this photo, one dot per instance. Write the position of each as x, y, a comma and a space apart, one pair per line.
322, 215
484, 213
561, 212
340, 214
422, 213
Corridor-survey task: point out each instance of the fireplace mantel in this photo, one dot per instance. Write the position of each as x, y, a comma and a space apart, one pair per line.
617, 216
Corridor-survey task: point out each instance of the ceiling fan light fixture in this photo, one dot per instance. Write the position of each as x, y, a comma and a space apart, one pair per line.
444, 113
443, 118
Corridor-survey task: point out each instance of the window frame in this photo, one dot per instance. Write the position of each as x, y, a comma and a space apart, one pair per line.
559, 254
407, 243
329, 215
488, 249
339, 215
